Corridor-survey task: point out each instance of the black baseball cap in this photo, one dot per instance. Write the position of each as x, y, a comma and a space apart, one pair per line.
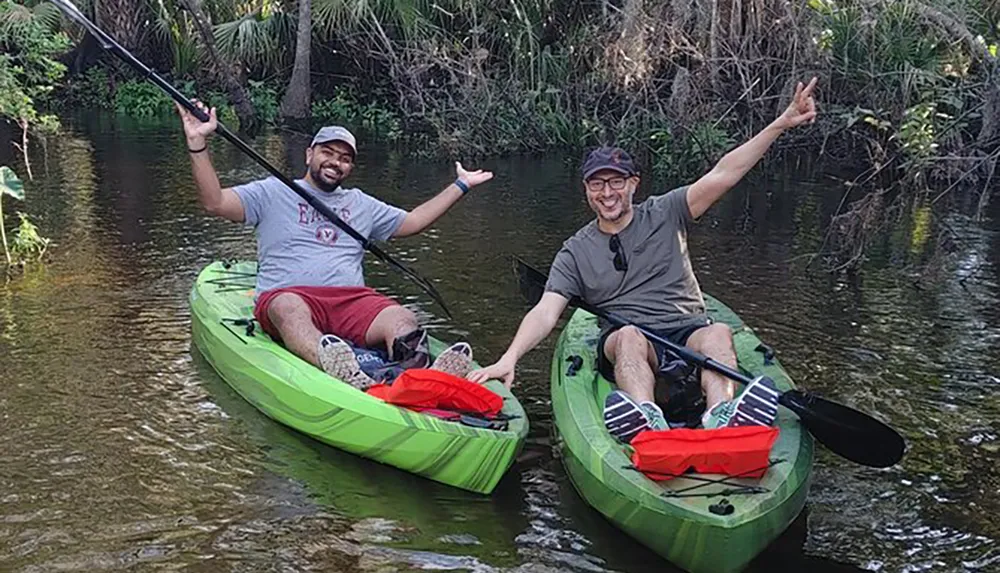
614, 158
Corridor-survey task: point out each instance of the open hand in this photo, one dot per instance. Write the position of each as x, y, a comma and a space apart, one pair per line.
802, 109
499, 371
195, 129
472, 178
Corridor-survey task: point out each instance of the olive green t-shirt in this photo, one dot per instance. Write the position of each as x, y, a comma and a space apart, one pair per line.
658, 289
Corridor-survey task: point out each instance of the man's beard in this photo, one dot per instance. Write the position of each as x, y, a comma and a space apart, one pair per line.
317, 176
625, 207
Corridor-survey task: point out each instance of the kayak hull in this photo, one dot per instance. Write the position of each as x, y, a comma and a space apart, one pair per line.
684, 529
301, 396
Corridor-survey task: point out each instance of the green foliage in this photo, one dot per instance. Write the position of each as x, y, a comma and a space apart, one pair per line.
186, 56
341, 108
265, 100
917, 134
380, 122
497, 77
10, 184
891, 51
691, 153
27, 243
553, 124
374, 118
92, 89
223, 108
867, 116
29, 69
912, 62
259, 39
140, 98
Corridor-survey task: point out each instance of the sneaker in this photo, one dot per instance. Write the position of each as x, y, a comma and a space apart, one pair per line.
412, 350
624, 418
756, 406
455, 360
654, 415
338, 360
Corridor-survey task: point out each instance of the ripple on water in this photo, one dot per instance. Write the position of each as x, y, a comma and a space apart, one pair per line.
122, 449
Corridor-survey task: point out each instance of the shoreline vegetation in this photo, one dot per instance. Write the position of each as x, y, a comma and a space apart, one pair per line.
909, 90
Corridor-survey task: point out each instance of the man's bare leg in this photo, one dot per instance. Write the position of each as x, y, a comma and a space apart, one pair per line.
391, 323
635, 362
293, 319
716, 342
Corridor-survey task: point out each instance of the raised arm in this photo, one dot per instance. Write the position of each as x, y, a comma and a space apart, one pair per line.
535, 326
216, 200
426, 213
704, 192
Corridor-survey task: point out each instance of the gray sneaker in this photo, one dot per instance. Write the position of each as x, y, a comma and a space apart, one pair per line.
338, 360
455, 360
654, 416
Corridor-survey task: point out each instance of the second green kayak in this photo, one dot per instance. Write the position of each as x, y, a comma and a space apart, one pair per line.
303, 397
686, 530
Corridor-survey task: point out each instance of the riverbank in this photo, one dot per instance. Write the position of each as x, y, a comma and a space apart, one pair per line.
909, 93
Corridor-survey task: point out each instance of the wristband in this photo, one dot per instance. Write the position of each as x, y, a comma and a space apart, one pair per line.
204, 147
461, 185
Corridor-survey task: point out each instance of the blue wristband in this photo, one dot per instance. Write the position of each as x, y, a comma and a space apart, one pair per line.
461, 185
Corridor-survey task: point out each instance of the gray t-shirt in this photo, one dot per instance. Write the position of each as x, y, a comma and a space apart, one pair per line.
297, 246
659, 289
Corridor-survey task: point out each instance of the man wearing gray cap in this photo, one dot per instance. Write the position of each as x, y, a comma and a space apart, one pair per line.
632, 260
310, 285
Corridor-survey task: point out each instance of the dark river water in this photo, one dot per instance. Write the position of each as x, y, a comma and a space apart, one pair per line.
122, 449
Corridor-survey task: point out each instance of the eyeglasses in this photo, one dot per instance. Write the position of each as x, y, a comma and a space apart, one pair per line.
596, 184
621, 264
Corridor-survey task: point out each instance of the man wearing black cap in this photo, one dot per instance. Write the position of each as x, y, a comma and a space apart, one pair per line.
310, 291
632, 261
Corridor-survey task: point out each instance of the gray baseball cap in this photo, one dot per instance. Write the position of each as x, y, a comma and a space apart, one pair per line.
335, 133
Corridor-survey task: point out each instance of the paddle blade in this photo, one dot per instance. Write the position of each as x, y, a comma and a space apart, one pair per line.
846, 431
530, 281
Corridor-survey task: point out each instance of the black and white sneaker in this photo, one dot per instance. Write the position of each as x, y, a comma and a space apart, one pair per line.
625, 418
757, 405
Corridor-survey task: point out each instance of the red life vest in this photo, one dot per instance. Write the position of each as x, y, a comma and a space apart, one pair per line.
423, 388
739, 451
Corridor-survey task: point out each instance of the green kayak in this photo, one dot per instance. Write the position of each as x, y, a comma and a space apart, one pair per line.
682, 527
301, 396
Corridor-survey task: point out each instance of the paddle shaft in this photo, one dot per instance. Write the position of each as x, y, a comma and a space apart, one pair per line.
682, 351
846, 431
108, 43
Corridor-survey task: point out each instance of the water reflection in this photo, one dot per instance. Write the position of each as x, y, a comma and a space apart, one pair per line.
123, 448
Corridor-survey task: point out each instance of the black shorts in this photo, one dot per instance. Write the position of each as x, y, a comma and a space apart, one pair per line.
678, 336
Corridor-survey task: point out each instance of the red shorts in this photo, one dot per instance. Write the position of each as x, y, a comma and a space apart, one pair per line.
346, 312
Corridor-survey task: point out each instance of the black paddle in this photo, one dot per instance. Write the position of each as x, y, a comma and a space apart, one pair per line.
73, 13
845, 431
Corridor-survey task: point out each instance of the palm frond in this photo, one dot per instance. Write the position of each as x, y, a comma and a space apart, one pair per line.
13, 17
329, 16
410, 19
47, 14
255, 40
